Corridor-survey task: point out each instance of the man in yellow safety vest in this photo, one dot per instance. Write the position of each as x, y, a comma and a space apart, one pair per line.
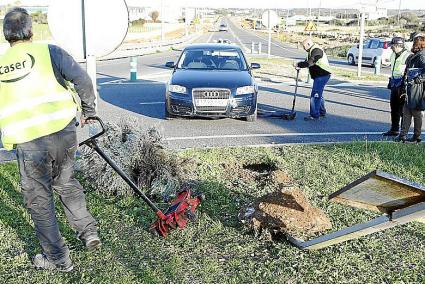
396, 86
320, 71
37, 116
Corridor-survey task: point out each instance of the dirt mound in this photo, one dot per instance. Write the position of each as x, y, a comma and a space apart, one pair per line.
285, 211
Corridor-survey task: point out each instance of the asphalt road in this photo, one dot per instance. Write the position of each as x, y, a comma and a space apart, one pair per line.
246, 37
355, 111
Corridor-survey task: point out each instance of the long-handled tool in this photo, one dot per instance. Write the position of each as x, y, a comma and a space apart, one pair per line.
293, 113
181, 210
281, 114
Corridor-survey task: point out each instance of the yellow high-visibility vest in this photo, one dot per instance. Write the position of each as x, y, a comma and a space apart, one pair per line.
322, 62
398, 66
32, 102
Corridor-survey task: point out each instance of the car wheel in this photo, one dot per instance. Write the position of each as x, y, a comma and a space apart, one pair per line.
168, 116
252, 117
350, 59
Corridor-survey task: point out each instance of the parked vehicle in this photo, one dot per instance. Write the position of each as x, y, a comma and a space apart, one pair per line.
372, 48
223, 40
212, 80
223, 28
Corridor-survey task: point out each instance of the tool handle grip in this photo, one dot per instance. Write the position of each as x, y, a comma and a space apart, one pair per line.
102, 125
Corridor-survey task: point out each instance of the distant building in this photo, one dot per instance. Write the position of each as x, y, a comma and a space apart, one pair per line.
293, 20
136, 13
171, 14
374, 13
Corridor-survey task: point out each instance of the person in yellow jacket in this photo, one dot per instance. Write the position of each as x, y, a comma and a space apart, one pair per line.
396, 86
320, 71
38, 117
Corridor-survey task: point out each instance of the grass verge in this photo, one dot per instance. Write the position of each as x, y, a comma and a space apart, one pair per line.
217, 248
275, 68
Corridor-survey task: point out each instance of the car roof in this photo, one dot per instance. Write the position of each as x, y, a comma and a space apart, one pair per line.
379, 38
212, 45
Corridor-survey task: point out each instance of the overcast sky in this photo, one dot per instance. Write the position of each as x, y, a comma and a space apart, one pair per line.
390, 4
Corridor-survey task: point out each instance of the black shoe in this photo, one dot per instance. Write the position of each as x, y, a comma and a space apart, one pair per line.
414, 140
40, 261
400, 139
391, 133
310, 118
323, 115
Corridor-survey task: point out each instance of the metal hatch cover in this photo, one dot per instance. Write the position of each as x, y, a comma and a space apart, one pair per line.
380, 191
401, 201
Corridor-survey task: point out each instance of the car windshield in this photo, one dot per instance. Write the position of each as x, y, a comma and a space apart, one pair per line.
212, 59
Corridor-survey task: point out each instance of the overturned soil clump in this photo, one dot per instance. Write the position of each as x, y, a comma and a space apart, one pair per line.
285, 211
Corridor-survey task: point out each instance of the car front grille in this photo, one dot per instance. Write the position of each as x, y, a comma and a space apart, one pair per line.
210, 100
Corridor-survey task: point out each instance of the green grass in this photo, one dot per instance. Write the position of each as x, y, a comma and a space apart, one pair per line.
217, 248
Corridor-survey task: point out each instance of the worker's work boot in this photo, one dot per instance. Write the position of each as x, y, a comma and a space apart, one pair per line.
391, 133
41, 262
414, 140
310, 118
400, 139
91, 240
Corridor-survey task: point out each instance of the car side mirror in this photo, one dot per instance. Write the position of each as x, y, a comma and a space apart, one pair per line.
170, 64
255, 66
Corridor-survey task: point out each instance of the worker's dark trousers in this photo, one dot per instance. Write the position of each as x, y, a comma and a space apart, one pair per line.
47, 164
317, 102
396, 104
417, 116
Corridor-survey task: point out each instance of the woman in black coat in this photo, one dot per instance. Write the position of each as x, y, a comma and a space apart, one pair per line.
415, 91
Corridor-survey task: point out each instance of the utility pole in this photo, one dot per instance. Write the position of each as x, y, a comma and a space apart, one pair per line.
318, 13
359, 66
399, 8
287, 17
186, 28
270, 34
162, 22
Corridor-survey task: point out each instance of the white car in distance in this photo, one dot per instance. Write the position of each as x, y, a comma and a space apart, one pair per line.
372, 48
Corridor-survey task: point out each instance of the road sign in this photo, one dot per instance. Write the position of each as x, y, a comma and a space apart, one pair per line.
272, 16
310, 27
88, 27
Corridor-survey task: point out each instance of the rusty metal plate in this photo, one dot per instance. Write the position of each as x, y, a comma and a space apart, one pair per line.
381, 192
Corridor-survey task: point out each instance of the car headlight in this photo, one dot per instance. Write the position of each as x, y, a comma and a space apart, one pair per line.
177, 89
245, 90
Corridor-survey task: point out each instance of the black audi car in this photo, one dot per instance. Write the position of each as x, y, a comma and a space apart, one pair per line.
212, 80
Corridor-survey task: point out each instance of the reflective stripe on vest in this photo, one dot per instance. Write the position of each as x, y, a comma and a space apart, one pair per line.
322, 62
32, 102
398, 66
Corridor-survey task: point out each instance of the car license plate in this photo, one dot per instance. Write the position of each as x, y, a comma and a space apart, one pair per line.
215, 102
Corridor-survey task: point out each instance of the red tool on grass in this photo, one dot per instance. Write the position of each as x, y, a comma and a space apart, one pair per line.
181, 210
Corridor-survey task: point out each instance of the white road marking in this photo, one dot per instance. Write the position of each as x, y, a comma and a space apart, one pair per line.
271, 135
209, 39
246, 49
271, 145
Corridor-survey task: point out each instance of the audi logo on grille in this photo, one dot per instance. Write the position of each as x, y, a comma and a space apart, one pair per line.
212, 94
